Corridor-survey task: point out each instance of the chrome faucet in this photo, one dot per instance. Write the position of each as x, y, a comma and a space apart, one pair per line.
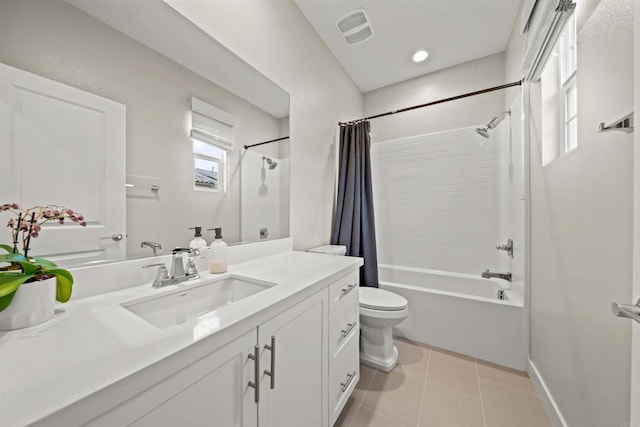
162, 276
178, 273
153, 245
488, 275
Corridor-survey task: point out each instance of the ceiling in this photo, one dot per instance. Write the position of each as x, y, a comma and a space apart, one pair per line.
148, 22
453, 31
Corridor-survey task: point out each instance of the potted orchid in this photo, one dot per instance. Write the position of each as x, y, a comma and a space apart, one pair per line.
22, 306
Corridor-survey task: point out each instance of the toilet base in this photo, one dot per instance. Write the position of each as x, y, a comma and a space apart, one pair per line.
376, 346
382, 365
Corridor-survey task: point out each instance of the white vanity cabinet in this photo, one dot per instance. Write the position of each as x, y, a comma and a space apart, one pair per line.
210, 392
344, 340
292, 375
295, 394
219, 397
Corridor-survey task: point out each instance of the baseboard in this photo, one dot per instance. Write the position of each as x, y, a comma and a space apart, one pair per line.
553, 412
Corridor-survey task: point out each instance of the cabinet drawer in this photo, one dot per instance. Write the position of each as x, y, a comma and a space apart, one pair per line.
342, 289
344, 377
343, 324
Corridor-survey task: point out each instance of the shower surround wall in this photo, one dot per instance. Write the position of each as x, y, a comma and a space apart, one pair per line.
264, 197
436, 200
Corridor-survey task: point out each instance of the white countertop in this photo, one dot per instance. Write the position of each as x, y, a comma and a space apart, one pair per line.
94, 342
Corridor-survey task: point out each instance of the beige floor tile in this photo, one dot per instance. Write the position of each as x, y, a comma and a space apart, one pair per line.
412, 357
505, 407
452, 353
396, 394
445, 407
454, 371
368, 418
506, 377
366, 378
348, 413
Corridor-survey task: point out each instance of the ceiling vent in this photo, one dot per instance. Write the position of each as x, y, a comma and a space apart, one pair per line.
355, 26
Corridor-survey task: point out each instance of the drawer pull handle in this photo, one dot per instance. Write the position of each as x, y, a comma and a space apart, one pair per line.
256, 373
348, 289
350, 327
272, 368
350, 378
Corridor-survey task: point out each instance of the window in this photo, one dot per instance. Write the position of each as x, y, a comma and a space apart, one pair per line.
212, 136
560, 97
208, 166
568, 67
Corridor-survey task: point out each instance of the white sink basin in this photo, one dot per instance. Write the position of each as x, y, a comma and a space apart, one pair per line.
193, 301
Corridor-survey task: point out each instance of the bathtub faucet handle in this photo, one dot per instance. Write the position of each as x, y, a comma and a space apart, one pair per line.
508, 248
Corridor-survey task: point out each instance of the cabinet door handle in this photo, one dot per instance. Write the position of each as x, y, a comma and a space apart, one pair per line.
272, 368
350, 327
256, 373
348, 289
350, 378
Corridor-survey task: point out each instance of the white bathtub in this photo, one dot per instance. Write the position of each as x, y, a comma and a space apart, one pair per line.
461, 313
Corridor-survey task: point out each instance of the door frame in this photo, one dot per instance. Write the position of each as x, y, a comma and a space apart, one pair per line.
635, 328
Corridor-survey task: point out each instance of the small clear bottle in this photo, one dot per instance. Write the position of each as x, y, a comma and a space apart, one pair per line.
198, 242
218, 253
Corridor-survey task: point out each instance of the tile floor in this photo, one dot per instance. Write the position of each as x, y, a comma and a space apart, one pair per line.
431, 387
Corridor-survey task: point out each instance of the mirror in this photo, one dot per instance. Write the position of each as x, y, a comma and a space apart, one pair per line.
147, 56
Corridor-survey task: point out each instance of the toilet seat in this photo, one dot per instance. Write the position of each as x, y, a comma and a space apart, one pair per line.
381, 300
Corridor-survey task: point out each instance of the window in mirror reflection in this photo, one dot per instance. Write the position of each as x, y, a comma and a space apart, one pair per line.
208, 167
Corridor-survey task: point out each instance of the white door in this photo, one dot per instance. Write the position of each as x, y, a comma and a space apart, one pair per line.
63, 146
299, 363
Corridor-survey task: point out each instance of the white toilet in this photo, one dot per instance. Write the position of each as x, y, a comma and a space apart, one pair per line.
380, 311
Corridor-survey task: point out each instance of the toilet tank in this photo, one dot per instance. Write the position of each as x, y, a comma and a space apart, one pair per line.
340, 250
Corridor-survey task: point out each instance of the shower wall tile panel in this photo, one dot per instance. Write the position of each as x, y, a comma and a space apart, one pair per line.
264, 197
436, 201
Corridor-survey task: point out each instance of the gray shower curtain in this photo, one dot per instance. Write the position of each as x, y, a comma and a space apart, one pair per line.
353, 222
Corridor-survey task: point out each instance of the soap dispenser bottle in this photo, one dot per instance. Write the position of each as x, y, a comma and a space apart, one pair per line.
218, 253
198, 242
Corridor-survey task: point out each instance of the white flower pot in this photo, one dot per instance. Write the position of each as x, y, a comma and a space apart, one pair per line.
32, 303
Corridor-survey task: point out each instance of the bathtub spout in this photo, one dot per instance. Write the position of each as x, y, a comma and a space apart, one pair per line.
488, 275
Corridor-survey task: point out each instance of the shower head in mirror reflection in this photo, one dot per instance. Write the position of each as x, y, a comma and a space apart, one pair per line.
491, 124
272, 163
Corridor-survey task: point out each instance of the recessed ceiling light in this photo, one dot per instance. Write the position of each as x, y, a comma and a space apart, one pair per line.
420, 55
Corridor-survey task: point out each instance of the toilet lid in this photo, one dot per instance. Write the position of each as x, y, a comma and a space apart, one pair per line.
379, 299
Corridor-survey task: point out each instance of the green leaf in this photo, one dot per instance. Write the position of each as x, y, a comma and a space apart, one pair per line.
6, 300
44, 262
7, 248
9, 282
27, 266
64, 283
11, 257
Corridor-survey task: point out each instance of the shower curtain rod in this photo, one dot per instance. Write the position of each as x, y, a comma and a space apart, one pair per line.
440, 101
266, 142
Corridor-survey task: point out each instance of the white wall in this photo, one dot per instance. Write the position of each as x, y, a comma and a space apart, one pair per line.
436, 200
581, 229
468, 77
263, 193
53, 39
276, 39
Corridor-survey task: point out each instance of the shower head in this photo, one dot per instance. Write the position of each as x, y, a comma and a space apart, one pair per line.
491, 124
272, 164
497, 119
483, 131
